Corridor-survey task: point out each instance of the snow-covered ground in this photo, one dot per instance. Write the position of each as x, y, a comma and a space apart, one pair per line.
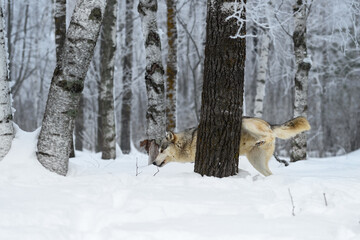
106, 200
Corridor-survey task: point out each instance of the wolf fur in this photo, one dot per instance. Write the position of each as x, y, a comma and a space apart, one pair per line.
257, 142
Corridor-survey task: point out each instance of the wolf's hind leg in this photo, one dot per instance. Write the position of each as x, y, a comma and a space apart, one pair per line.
259, 160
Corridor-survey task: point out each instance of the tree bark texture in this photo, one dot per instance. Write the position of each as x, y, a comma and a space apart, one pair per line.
79, 125
10, 7
6, 127
298, 148
125, 136
261, 75
106, 103
171, 66
60, 36
217, 150
60, 27
154, 74
67, 84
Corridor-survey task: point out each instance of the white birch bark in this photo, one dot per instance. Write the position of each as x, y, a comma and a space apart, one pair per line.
261, 75
67, 84
6, 127
60, 26
154, 73
303, 65
107, 55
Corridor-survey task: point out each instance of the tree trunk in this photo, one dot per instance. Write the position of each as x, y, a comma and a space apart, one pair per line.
10, 7
154, 75
261, 75
60, 27
67, 84
6, 127
60, 36
125, 135
298, 148
217, 150
79, 125
107, 55
171, 66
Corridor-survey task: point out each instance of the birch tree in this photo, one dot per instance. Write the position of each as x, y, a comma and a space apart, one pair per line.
10, 7
154, 77
67, 84
6, 127
125, 134
106, 100
60, 27
261, 74
217, 150
171, 66
60, 35
303, 65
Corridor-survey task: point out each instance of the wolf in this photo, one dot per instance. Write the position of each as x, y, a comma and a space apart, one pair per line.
257, 142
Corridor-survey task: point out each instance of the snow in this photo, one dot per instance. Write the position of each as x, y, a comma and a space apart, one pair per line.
106, 200
308, 60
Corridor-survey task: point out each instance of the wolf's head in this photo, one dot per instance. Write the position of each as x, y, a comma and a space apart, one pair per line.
167, 150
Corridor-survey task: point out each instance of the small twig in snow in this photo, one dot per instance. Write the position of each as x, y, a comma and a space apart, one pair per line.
158, 170
292, 202
326, 203
137, 168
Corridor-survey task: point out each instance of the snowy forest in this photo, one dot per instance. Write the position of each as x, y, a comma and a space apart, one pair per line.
95, 75
333, 83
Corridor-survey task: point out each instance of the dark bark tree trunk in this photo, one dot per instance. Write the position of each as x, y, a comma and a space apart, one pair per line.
125, 135
6, 127
298, 148
217, 150
67, 84
106, 103
171, 66
154, 76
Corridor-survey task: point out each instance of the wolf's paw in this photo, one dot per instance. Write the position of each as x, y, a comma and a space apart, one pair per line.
259, 143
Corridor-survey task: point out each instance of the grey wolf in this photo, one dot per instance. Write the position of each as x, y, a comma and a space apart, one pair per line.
257, 142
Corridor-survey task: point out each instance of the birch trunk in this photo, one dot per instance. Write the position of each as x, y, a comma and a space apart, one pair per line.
298, 148
60, 27
10, 7
127, 81
217, 150
154, 75
261, 75
6, 127
67, 84
171, 66
107, 55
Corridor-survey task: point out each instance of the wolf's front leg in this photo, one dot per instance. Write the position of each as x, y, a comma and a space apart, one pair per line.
258, 159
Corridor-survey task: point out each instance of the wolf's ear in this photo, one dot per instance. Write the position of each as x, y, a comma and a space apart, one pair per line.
170, 136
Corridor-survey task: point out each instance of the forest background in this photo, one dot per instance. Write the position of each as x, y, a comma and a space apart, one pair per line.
333, 48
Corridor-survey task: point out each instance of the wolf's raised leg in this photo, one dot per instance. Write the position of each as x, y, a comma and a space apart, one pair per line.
258, 157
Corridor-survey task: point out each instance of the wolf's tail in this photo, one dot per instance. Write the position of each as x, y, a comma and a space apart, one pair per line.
291, 128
